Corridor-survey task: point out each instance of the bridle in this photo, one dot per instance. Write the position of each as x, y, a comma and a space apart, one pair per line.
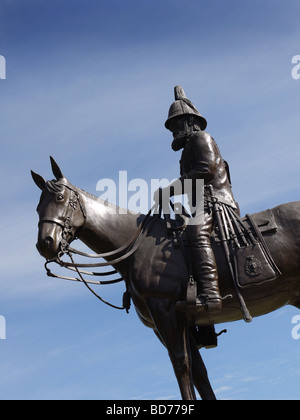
66, 223
119, 254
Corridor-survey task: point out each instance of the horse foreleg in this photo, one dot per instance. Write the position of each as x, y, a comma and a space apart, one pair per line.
199, 371
173, 331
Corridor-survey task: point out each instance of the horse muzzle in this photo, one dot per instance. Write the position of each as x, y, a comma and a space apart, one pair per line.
48, 247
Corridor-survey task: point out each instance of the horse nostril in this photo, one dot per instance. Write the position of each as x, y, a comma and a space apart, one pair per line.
49, 241
45, 246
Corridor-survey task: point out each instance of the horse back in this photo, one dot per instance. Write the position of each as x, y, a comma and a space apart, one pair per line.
284, 241
160, 269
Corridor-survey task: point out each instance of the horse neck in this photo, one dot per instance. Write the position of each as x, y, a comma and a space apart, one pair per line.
107, 227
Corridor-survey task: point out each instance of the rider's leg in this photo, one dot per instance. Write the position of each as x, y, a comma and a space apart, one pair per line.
204, 266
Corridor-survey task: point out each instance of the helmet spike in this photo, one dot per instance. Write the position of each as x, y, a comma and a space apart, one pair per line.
179, 93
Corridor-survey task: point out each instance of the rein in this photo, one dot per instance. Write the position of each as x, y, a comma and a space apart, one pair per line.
120, 254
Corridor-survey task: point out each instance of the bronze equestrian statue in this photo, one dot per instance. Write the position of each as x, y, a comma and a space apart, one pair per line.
200, 159
257, 261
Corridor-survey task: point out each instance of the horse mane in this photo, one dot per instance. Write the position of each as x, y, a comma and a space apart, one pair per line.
104, 202
54, 186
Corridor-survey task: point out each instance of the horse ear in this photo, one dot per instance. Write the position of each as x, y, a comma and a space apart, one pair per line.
39, 180
56, 169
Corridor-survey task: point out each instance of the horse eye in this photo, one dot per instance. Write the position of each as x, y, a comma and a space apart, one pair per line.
59, 197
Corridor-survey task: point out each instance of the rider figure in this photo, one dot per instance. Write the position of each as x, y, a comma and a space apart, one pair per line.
200, 159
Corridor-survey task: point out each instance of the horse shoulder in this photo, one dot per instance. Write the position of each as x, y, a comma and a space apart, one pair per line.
158, 267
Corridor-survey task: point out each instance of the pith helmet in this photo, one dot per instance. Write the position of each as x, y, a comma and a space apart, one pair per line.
183, 106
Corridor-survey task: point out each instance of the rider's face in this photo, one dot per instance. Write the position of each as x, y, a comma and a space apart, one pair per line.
177, 126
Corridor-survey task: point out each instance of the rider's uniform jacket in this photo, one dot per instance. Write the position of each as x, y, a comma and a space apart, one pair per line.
201, 159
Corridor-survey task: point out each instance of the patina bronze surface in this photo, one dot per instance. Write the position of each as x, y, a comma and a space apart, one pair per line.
200, 159
156, 274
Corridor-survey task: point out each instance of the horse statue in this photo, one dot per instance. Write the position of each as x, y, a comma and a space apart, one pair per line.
156, 273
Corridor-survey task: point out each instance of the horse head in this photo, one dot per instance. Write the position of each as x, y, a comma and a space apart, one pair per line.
61, 213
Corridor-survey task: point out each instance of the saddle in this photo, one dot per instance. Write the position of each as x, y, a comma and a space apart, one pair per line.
248, 252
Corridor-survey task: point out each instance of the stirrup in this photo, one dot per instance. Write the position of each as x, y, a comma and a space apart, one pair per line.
210, 304
200, 305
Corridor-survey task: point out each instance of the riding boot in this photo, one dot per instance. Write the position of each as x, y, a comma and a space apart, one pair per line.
205, 274
203, 288
205, 294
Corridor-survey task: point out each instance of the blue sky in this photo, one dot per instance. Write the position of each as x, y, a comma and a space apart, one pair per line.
90, 83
